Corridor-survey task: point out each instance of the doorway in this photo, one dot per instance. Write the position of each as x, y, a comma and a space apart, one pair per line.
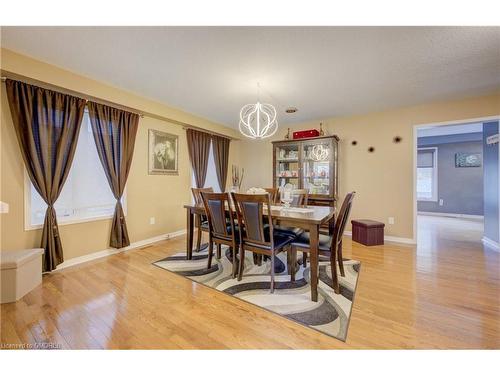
456, 182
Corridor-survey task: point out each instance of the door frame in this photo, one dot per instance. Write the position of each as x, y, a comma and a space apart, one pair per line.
416, 127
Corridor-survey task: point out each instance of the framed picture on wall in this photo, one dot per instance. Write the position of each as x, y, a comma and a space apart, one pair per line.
163, 153
466, 159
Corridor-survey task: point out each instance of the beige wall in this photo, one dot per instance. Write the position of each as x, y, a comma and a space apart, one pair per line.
383, 180
147, 195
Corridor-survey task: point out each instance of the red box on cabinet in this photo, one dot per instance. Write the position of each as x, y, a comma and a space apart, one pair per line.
305, 134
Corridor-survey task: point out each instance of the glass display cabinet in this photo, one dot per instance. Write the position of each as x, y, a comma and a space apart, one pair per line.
310, 163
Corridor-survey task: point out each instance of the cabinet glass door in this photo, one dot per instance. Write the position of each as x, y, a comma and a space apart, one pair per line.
287, 164
317, 167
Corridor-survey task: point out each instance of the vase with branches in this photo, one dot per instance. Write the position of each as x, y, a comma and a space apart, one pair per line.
237, 177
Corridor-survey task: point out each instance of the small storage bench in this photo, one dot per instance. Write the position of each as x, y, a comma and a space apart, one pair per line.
20, 273
368, 232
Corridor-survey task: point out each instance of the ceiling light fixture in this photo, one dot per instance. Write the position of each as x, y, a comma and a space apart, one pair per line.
291, 110
258, 121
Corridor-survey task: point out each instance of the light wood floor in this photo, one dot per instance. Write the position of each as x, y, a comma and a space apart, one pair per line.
445, 294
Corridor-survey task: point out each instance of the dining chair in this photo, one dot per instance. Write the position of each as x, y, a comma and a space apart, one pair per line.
256, 233
329, 246
274, 193
222, 229
201, 221
300, 198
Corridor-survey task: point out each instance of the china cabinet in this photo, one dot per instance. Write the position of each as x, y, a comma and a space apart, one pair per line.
311, 164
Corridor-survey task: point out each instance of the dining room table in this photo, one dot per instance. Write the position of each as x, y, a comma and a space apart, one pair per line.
309, 218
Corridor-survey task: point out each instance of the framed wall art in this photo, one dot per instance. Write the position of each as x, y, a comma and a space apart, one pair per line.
467, 159
163, 153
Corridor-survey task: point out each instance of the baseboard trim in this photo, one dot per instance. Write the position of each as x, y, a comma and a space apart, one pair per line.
110, 251
408, 241
491, 244
444, 214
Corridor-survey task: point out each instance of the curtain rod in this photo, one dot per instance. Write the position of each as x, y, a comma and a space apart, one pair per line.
17, 77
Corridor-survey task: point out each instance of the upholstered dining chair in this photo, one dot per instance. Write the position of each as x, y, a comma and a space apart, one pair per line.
329, 246
256, 234
274, 193
300, 198
222, 229
201, 221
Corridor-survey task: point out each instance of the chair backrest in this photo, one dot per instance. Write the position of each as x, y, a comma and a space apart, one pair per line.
215, 208
274, 193
343, 217
250, 213
198, 200
300, 197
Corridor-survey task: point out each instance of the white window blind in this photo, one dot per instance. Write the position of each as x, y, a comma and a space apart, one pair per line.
211, 179
427, 174
86, 194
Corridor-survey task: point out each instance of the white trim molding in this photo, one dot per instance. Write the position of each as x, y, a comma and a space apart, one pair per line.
446, 214
404, 240
491, 244
110, 251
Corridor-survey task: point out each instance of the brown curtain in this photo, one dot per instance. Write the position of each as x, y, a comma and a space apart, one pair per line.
47, 125
220, 147
198, 148
114, 134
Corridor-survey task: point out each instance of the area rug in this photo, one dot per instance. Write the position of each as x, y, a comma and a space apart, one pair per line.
292, 300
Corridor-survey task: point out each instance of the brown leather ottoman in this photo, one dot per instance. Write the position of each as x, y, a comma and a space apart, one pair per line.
368, 232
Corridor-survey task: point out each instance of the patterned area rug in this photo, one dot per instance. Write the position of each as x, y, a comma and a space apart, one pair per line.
292, 300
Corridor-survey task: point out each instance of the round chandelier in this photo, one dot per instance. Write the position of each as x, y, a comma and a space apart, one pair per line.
319, 153
258, 121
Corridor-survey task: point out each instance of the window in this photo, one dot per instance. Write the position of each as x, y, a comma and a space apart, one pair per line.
86, 194
427, 174
211, 179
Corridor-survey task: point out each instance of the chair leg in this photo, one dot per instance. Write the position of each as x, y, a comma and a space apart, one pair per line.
335, 279
340, 259
210, 251
293, 263
289, 261
259, 259
219, 252
242, 262
272, 273
198, 239
235, 261
304, 259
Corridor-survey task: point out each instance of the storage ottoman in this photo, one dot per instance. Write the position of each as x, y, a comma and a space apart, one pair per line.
368, 232
20, 273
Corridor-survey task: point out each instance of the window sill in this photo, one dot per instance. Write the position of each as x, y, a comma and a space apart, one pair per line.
29, 227
426, 200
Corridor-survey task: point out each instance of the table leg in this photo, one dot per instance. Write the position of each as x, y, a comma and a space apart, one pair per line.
189, 240
314, 239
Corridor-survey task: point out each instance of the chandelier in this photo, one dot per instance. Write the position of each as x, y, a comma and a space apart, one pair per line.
319, 153
258, 121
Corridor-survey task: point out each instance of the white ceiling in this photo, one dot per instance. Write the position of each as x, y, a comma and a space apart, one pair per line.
323, 71
450, 129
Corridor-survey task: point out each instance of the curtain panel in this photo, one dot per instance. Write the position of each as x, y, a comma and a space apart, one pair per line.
47, 124
198, 149
114, 133
220, 146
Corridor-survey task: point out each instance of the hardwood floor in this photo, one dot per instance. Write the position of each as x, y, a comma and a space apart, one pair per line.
445, 294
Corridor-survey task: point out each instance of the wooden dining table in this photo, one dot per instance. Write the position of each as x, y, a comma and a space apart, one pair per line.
309, 218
